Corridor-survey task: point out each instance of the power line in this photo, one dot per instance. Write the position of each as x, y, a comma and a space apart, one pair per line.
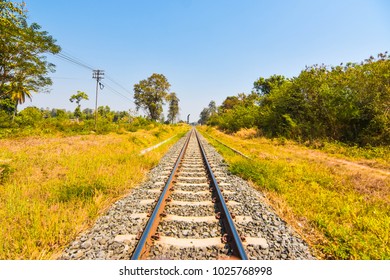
66, 56
117, 92
77, 59
118, 84
79, 62
72, 59
62, 54
66, 78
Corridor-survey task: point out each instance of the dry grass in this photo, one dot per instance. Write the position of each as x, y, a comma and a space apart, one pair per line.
340, 206
247, 133
300, 223
53, 188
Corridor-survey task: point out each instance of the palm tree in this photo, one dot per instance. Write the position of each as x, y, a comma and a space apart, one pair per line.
18, 92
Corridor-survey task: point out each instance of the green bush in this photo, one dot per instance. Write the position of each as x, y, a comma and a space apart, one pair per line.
30, 116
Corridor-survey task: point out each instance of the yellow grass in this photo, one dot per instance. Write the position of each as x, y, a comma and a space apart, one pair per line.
339, 205
53, 188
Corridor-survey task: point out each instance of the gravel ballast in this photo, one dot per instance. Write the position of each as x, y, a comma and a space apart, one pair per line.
114, 234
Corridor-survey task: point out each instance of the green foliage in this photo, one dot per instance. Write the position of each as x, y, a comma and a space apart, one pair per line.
5, 120
173, 110
5, 172
264, 86
31, 116
343, 221
79, 191
204, 116
236, 112
207, 113
23, 68
34, 121
105, 113
281, 111
150, 95
344, 103
121, 116
241, 117
78, 97
7, 109
7, 105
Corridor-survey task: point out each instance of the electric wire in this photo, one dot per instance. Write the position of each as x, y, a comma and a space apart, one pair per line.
77, 59
118, 84
74, 61
66, 56
115, 91
70, 58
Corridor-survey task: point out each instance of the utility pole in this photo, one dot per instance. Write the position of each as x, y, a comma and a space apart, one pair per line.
98, 75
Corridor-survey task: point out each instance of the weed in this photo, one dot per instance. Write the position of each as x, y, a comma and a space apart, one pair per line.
346, 211
57, 186
5, 171
68, 192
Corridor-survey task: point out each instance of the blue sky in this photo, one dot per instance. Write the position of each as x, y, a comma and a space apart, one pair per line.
207, 49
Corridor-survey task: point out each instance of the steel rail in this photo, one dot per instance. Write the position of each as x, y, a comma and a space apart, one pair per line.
234, 150
141, 250
235, 239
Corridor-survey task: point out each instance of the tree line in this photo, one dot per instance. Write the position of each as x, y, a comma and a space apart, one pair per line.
24, 70
348, 103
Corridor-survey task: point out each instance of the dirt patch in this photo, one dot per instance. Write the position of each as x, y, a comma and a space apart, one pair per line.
363, 168
371, 186
247, 133
372, 182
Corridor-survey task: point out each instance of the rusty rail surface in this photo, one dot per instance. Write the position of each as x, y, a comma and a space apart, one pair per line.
149, 234
146, 241
233, 238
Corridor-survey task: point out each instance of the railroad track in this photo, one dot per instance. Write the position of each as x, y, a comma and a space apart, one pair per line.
191, 208
191, 195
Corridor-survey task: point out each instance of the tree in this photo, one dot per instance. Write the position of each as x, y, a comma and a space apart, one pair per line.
121, 116
88, 113
229, 103
23, 68
212, 108
264, 86
7, 105
150, 95
106, 113
204, 116
59, 114
208, 112
173, 110
241, 99
78, 97
236, 112
30, 116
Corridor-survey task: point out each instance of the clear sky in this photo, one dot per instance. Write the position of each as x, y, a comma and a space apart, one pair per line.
207, 49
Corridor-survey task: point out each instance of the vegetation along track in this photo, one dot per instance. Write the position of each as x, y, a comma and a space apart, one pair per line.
180, 213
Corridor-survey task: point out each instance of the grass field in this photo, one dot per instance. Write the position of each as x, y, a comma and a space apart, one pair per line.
52, 188
337, 198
